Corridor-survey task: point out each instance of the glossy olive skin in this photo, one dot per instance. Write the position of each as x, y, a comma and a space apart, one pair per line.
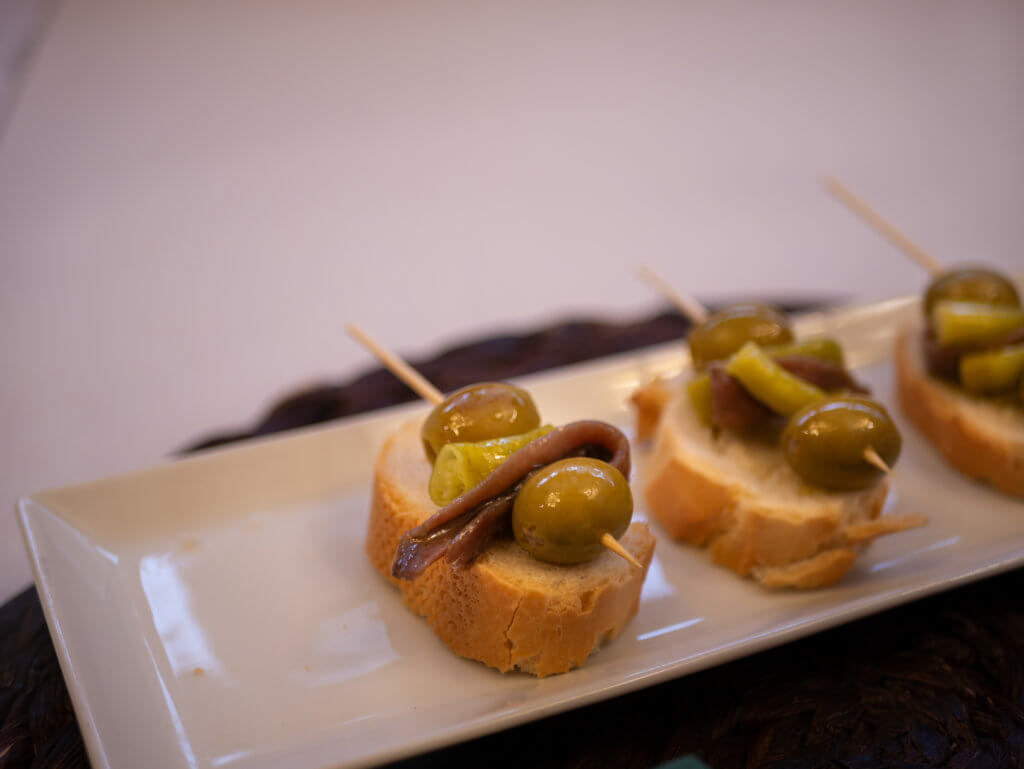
563, 510
726, 331
970, 284
479, 412
825, 442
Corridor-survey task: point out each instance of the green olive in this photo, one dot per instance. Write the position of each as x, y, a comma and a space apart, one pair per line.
825, 442
970, 284
726, 331
479, 412
563, 510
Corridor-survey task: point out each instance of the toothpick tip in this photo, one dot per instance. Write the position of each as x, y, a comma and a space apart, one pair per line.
872, 457
616, 547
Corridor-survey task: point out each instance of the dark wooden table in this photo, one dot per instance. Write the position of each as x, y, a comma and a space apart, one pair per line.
936, 683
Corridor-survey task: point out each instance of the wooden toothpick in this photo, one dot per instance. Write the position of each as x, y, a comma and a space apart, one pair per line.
397, 366
873, 458
686, 304
872, 217
616, 547
418, 384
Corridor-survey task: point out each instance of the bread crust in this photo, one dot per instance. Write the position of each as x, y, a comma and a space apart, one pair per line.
650, 400
995, 456
753, 533
508, 610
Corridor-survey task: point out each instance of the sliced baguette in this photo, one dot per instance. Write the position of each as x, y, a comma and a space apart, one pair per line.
739, 498
508, 610
981, 439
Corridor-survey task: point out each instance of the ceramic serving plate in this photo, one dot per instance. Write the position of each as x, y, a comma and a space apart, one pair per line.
218, 611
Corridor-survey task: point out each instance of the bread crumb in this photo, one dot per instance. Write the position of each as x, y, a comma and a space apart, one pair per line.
307, 667
197, 672
190, 544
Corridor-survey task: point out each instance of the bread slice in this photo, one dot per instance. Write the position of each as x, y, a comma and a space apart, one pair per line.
980, 438
740, 498
508, 610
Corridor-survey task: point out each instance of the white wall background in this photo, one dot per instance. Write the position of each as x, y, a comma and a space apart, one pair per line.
195, 197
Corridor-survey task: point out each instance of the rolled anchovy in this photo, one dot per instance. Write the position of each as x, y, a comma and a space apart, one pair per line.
414, 554
492, 498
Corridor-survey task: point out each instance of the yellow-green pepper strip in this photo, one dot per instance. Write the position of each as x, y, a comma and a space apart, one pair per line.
993, 371
971, 323
461, 466
769, 383
822, 347
699, 391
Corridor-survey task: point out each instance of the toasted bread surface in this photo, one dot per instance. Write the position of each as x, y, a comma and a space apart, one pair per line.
982, 439
508, 610
738, 497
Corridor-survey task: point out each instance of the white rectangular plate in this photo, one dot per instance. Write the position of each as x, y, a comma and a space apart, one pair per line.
218, 611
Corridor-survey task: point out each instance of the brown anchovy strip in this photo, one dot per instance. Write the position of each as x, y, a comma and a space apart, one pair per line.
733, 408
822, 373
944, 362
483, 526
463, 527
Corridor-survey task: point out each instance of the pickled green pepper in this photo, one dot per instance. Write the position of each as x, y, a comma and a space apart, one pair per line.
822, 347
962, 323
769, 383
461, 466
993, 371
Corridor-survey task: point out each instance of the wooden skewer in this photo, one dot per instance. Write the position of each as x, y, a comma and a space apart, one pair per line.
428, 392
616, 547
687, 305
872, 458
872, 217
410, 376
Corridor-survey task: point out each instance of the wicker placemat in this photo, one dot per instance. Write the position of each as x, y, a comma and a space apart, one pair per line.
937, 683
